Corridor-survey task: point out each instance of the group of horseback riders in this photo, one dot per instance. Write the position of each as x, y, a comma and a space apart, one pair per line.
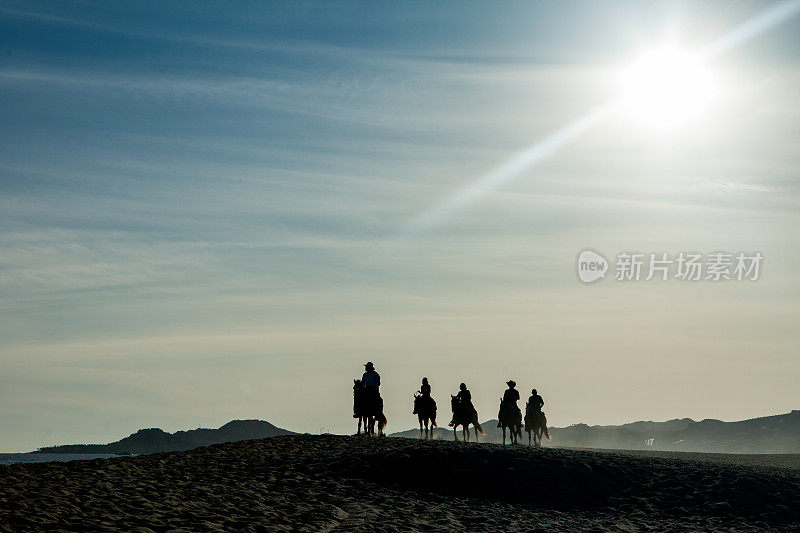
510, 416
368, 408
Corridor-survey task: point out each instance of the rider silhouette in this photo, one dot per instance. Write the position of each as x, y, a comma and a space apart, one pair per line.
425, 388
464, 395
510, 399
511, 395
371, 380
424, 399
535, 402
533, 412
464, 401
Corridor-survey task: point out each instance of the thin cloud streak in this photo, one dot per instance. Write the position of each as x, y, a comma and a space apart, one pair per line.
511, 169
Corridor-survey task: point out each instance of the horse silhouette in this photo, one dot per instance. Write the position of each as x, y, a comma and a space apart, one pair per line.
536, 424
510, 417
464, 416
425, 409
368, 408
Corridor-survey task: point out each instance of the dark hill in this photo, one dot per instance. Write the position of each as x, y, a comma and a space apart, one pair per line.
156, 440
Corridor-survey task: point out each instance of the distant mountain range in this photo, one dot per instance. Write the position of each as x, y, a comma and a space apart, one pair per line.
769, 434
156, 440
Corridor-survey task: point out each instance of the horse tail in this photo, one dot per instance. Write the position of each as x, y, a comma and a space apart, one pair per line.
479, 428
383, 422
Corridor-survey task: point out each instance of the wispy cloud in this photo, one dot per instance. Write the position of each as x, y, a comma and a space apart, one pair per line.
190, 201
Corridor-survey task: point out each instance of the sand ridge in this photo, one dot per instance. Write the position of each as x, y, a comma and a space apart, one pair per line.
335, 483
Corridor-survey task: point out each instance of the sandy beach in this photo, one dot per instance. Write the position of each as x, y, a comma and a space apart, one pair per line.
336, 483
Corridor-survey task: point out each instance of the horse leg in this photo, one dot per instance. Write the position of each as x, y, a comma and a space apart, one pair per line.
465, 432
504, 435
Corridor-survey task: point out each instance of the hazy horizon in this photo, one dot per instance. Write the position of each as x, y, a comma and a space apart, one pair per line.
211, 213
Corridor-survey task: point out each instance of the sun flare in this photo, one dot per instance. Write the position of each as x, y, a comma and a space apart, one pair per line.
667, 87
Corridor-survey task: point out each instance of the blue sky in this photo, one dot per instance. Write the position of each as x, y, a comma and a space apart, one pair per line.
204, 209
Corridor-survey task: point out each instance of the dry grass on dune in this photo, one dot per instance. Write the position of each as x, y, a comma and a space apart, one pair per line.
352, 483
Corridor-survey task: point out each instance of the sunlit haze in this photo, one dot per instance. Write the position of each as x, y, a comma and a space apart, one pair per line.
213, 212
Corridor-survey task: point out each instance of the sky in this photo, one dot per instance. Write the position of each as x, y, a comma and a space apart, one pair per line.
217, 211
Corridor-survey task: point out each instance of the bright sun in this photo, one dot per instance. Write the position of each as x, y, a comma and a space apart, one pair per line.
667, 87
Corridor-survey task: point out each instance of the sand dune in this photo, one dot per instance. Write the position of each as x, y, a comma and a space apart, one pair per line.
357, 483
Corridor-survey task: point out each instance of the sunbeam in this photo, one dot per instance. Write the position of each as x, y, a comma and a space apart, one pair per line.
664, 91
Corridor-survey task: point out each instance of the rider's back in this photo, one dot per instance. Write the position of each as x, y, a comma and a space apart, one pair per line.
511, 396
371, 380
535, 403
